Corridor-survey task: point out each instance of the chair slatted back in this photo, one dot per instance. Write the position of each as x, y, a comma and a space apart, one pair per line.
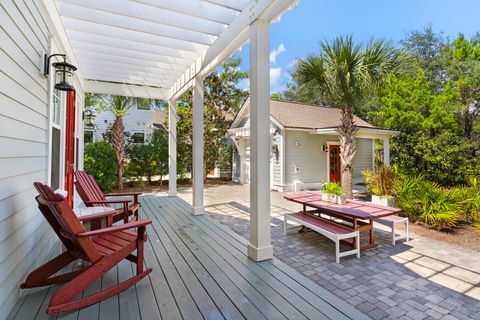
88, 189
64, 222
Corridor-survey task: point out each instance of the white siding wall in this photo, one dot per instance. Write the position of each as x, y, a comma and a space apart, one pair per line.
307, 156
25, 238
134, 121
363, 159
312, 161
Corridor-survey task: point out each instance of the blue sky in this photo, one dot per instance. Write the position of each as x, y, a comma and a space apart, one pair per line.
300, 30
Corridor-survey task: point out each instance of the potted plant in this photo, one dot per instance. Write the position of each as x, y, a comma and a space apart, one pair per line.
381, 185
333, 192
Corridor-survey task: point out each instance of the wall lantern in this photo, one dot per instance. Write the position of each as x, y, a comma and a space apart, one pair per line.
325, 148
88, 118
63, 72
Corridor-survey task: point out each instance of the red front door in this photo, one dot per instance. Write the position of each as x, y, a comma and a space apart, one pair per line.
335, 167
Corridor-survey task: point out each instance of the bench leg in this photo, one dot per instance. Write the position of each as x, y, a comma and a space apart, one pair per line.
337, 251
393, 233
406, 228
357, 238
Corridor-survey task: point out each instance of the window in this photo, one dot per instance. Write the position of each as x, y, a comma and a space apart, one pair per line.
88, 136
55, 159
143, 107
138, 137
56, 107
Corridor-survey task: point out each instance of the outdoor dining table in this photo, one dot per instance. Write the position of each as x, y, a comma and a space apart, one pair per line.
358, 214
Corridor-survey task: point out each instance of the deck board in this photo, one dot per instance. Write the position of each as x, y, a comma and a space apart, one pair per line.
200, 271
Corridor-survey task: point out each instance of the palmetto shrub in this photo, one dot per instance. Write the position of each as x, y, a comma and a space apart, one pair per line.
381, 182
470, 200
429, 203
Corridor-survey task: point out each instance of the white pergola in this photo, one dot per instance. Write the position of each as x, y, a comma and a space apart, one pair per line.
161, 48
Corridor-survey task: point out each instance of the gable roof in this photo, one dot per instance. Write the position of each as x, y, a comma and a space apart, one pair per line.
300, 115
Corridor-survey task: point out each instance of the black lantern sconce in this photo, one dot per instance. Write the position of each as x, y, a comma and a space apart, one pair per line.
63, 72
88, 118
325, 148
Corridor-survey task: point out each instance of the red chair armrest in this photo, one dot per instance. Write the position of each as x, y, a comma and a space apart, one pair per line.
120, 194
126, 226
106, 201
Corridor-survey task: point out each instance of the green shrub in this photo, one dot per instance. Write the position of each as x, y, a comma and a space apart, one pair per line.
99, 161
470, 201
333, 188
381, 182
149, 159
427, 202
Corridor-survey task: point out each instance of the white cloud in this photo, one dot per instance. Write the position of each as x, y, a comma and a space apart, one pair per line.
276, 83
275, 74
275, 52
292, 64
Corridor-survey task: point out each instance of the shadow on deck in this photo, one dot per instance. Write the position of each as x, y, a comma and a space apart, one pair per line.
200, 271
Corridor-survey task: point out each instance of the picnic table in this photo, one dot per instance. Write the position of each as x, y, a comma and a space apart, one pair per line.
358, 215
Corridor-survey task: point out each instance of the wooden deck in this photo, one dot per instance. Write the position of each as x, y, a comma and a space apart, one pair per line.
200, 271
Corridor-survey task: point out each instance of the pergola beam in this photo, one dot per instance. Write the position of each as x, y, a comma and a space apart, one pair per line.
128, 90
230, 40
137, 10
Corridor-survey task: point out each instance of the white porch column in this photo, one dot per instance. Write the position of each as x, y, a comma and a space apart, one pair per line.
386, 152
198, 170
172, 147
259, 245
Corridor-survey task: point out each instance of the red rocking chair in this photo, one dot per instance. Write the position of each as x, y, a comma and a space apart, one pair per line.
93, 196
103, 248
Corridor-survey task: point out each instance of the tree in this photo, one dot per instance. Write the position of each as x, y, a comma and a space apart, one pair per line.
344, 75
119, 106
222, 100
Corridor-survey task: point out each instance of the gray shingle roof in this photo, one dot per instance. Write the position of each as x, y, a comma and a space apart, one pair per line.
305, 116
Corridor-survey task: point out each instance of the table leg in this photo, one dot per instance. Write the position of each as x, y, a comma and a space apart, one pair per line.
355, 227
372, 235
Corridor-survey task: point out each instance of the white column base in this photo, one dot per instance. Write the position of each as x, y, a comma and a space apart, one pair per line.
198, 211
260, 254
172, 193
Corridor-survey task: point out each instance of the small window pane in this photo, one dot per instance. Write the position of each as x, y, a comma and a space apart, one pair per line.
88, 137
56, 106
138, 137
143, 107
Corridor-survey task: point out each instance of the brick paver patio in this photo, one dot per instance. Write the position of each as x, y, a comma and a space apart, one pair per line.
424, 279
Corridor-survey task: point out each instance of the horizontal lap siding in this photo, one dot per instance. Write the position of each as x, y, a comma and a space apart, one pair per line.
363, 159
134, 121
25, 238
308, 156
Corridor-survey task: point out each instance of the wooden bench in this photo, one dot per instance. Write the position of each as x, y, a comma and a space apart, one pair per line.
392, 221
329, 229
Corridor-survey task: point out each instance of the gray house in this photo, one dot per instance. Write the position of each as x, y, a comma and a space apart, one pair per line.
305, 146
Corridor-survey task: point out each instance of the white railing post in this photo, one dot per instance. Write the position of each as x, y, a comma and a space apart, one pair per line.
172, 147
259, 245
386, 152
197, 163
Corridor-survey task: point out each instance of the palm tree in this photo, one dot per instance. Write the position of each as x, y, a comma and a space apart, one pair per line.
119, 106
344, 75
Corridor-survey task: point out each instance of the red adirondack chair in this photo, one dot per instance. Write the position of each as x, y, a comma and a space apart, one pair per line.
93, 196
103, 248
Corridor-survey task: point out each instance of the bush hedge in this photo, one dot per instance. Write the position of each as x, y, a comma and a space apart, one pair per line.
99, 161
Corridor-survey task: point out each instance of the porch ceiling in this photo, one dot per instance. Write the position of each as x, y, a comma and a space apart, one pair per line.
158, 43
